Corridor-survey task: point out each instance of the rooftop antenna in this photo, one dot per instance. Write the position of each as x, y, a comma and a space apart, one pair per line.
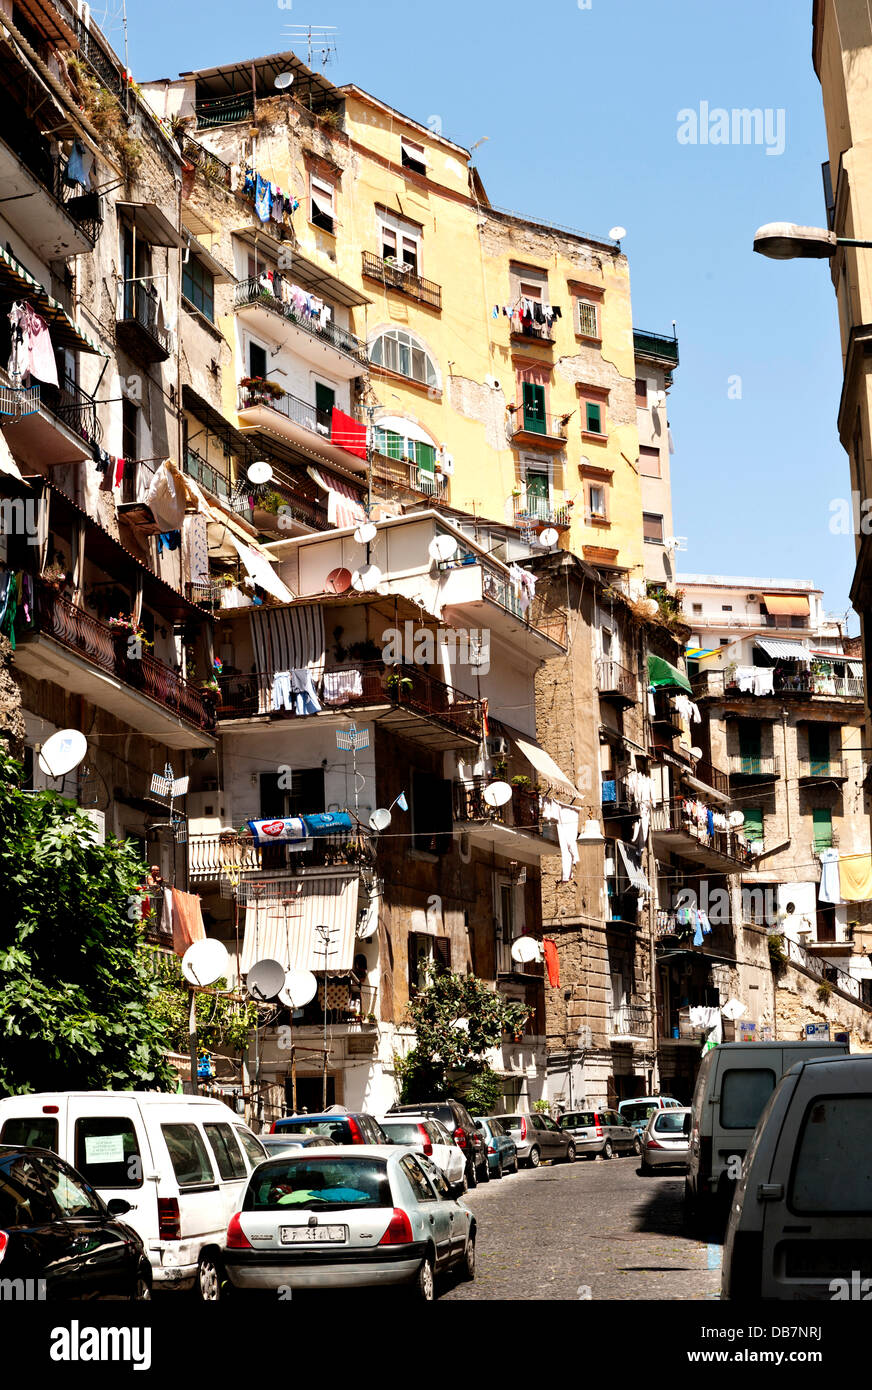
316, 36
167, 784
351, 740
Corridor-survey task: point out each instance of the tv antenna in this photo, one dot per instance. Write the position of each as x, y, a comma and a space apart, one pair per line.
353, 740
319, 39
168, 785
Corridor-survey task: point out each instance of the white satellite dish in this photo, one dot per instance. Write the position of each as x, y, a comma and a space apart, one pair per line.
366, 579
548, 537
497, 793
380, 819
259, 472
366, 532
205, 961
283, 80
265, 979
618, 233
62, 752
298, 989
737, 818
525, 949
442, 547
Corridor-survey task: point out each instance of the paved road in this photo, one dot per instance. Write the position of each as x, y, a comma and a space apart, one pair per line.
587, 1225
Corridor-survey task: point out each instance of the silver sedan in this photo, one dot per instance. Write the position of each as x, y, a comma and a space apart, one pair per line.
666, 1142
340, 1218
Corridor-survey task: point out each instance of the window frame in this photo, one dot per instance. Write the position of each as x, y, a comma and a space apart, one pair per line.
431, 380
653, 540
207, 309
439, 958
650, 452
582, 332
327, 193
409, 158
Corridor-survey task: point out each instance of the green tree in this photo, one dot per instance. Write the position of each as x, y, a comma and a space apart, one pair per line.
77, 1007
222, 1024
457, 1019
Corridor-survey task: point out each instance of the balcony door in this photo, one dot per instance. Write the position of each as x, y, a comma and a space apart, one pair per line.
534, 407
819, 749
537, 493
749, 747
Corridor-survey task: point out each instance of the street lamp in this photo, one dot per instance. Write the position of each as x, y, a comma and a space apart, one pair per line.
787, 241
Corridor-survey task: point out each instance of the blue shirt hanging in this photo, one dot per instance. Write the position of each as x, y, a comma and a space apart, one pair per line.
262, 203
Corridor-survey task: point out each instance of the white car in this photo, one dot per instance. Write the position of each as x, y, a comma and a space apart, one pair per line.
430, 1137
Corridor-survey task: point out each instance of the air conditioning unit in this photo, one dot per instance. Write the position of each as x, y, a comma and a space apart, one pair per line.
752, 598
498, 746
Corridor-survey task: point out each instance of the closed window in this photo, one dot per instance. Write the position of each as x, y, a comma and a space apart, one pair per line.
188, 1155
198, 287
593, 417
588, 319
753, 826
38, 1133
107, 1151
652, 528
254, 1150
72, 1194
744, 1093
323, 212
417, 1179
827, 1176
649, 461
822, 818
697, 608
401, 352
24, 1200
226, 1150
641, 391
533, 396
401, 241
428, 955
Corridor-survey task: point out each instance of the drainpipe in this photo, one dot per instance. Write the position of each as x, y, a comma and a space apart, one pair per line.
784, 715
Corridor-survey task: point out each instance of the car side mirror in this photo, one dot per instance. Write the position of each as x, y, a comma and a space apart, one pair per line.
118, 1206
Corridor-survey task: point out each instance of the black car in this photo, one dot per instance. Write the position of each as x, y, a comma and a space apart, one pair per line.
58, 1239
461, 1126
340, 1127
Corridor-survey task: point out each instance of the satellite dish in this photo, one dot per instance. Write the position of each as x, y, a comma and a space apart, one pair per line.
205, 961
696, 752
338, 581
442, 547
380, 819
365, 533
650, 606
265, 979
366, 579
737, 818
62, 752
548, 537
618, 233
298, 989
260, 472
497, 793
525, 949
283, 80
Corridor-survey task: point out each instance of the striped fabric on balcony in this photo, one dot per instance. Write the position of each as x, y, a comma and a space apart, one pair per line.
286, 639
286, 929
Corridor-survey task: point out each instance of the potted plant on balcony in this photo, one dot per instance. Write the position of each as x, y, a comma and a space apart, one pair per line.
259, 391
398, 684
521, 781
55, 577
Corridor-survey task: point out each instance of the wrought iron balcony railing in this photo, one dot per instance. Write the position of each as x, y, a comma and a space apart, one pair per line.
251, 291
398, 277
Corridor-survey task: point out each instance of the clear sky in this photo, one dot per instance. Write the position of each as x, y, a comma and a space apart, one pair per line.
579, 100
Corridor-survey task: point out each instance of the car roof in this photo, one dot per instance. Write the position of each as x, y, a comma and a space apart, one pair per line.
341, 1115
851, 1059
406, 1115
349, 1152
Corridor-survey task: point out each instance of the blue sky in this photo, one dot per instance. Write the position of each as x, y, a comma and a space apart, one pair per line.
580, 106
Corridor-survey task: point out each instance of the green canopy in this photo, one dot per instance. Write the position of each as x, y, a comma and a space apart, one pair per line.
661, 675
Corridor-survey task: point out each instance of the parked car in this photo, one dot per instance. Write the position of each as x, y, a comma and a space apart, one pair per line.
602, 1132
502, 1151
54, 1227
181, 1161
428, 1136
667, 1139
800, 1224
289, 1143
345, 1218
538, 1137
734, 1083
349, 1127
637, 1112
460, 1124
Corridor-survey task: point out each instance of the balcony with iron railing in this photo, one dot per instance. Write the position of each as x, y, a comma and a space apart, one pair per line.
406, 473
801, 682
108, 649
630, 1020
253, 292
528, 425
616, 682
522, 812
821, 969
679, 831
394, 276
530, 510
231, 857
367, 684
822, 770
539, 614
713, 777
219, 111
137, 328
657, 345
206, 474
754, 767
74, 408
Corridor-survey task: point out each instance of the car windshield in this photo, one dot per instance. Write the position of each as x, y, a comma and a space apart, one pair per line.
335, 1130
641, 1111
670, 1122
409, 1132
319, 1184
578, 1119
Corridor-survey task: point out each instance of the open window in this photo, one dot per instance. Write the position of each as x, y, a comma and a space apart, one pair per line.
413, 155
322, 204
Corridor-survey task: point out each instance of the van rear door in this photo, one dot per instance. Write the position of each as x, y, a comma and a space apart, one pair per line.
743, 1085
107, 1142
817, 1221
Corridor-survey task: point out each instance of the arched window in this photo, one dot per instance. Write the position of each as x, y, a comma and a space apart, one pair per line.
404, 353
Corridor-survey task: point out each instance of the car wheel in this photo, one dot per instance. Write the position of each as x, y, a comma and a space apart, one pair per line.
484, 1175
467, 1264
499, 1172
645, 1169
425, 1282
637, 1146
142, 1289
210, 1277
471, 1176
534, 1158
607, 1150
570, 1154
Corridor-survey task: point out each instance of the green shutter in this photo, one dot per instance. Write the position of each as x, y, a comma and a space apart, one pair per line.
753, 826
534, 407
594, 419
425, 457
823, 828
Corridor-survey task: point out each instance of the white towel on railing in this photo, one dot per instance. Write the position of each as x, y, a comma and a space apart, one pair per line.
339, 686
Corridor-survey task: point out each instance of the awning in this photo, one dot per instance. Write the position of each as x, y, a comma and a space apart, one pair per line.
544, 763
219, 272
286, 929
15, 280
306, 273
344, 505
397, 424
151, 223
663, 675
787, 605
780, 649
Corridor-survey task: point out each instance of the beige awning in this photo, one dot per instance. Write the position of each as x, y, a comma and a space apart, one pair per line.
544, 763
152, 223
285, 929
787, 605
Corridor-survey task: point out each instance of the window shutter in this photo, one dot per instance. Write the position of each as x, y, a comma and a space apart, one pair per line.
534, 407
442, 952
594, 418
753, 826
819, 748
822, 819
425, 457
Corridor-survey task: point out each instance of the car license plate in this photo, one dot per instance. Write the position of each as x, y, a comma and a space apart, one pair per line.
305, 1235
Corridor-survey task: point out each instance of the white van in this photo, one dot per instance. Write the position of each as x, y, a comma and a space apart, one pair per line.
734, 1083
182, 1162
801, 1221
